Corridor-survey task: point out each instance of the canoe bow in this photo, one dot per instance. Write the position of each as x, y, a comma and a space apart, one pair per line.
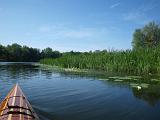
15, 106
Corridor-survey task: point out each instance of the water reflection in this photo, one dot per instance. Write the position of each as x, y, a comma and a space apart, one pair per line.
151, 94
47, 73
24, 71
67, 96
18, 70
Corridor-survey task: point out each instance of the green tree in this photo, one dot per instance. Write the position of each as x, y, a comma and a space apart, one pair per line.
3, 53
49, 53
147, 37
26, 54
15, 52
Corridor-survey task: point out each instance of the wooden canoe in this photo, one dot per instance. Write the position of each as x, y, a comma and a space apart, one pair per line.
16, 106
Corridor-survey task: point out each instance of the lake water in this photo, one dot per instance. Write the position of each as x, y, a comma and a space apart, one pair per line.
59, 96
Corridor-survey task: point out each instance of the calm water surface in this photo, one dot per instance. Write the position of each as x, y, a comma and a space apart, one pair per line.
58, 96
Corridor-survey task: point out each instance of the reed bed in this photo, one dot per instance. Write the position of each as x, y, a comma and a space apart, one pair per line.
142, 61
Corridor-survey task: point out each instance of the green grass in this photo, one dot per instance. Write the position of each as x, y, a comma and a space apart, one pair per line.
145, 61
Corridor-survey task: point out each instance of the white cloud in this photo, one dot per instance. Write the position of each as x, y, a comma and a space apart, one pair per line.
115, 5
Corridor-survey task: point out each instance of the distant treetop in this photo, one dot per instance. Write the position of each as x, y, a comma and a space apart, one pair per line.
147, 37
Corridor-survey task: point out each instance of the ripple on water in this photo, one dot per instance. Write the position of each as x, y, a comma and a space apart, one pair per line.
71, 97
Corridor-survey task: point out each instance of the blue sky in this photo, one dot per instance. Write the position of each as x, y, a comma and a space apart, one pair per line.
79, 25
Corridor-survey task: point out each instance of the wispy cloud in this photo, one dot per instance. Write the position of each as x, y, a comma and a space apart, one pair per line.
149, 6
136, 17
115, 5
132, 16
60, 31
73, 33
140, 14
75, 36
77, 33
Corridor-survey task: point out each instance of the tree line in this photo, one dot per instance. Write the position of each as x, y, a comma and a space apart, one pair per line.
18, 53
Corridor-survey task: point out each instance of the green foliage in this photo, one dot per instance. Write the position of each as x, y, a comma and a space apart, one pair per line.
18, 53
3, 53
150, 94
147, 37
14, 51
49, 53
139, 62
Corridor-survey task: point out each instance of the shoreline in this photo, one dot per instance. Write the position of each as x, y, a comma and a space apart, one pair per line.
135, 82
132, 80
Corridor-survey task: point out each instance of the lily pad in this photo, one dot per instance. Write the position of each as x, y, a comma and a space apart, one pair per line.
135, 77
125, 78
104, 79
144, 85
118, 80
121, 78
133, 85
115, 77
155, 80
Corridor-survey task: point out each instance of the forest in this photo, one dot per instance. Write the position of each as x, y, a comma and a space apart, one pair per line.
18, 53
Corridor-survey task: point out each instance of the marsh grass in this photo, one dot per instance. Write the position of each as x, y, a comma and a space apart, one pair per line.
143, 61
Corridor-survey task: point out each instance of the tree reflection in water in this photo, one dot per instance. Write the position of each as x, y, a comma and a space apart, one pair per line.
151, 94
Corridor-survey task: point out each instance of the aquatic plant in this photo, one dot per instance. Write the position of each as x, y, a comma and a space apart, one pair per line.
144, 61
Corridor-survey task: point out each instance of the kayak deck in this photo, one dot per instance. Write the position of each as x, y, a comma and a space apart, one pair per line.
16, 107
